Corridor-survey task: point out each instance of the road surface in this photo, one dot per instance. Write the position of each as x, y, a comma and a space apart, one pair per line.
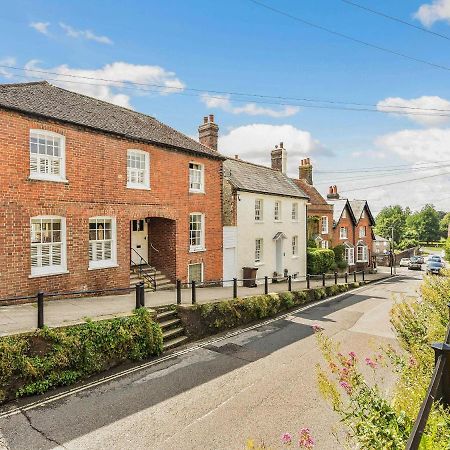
257, 384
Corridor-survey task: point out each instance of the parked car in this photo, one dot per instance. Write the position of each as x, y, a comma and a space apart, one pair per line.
437, 259
404, 262
420, 259
433, 267
414, 264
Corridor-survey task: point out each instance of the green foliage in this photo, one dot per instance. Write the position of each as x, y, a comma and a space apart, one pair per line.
426, 223
447, 249
34, 363
311, 243
391, 216
319, 260
443, 225
339, 253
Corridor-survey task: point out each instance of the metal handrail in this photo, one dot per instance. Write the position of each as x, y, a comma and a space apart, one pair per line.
147, 277
153, 247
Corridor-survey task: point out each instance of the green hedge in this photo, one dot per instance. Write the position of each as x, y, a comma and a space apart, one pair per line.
35, 363
319, 260
204, 319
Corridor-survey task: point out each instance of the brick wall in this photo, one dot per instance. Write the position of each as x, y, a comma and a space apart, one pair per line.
96, 174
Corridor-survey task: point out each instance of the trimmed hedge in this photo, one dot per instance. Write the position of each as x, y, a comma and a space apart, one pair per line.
209, 318
319, 260
34, 363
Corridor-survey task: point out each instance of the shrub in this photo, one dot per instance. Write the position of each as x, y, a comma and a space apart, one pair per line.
319, 260
34, 363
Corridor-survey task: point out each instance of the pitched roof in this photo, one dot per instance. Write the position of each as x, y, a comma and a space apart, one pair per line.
338, 208
251, 177
358, 207
315, 198
45, 100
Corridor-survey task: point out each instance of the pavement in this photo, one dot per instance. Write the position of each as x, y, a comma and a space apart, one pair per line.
252, 383
22, 318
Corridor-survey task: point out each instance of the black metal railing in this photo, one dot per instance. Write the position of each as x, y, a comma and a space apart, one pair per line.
146, 276
438, 389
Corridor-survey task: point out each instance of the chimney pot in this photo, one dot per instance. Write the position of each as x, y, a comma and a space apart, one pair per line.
305, 171
236, 156
205, 119
281, 145
278, 157
211, 118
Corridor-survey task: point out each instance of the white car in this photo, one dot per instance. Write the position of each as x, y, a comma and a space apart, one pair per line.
404, 262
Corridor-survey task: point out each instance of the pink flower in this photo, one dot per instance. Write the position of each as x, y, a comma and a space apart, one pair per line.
305, 439
317, 328
352, 355
346, 386
286, 438
371, 363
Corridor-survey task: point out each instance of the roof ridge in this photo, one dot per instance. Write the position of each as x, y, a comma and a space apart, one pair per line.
24, 84
255, 164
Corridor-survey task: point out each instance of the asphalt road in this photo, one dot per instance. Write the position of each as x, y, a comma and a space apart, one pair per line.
256, 384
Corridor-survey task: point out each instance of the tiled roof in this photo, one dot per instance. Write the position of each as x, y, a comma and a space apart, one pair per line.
314, 196
338, 207
358, 208
250, 177
46, 100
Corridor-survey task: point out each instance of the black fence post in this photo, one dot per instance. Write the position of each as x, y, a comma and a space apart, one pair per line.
266, 285
235, 288
40, 305
323, 279
290, 283
363, 275
142, 292
354, 276
335, 277
178, 292
194, 293
346, 277
308, 281
443, 392
138, 295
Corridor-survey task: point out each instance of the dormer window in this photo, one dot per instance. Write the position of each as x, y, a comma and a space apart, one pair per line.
47, 156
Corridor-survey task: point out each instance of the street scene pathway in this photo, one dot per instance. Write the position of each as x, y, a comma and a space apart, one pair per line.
256, 384
21, 318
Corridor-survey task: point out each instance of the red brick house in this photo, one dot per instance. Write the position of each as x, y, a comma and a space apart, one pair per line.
319, 212
90, 189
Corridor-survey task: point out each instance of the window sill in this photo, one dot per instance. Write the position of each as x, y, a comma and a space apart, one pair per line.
295, 257
44, 178
105, 266
259, 221
278, 221
48, 274
195, 191
197, 250
324, 232
139, 187
257, 264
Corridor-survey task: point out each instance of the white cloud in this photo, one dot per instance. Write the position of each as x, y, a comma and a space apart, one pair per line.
252, 109
118, 72
429, 13
427, 118
5, 72
254, 143
84, 34
41, 27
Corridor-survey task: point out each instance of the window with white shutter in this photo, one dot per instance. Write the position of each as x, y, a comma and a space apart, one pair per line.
196, 183
47, 156
138, 169
48, 245
102, 242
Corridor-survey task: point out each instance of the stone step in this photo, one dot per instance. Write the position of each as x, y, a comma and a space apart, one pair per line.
170, 323
172, 333
165, 315
175, 342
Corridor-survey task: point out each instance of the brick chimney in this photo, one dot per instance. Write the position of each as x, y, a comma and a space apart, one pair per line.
208, 132
279, 158
305, 171
333, 193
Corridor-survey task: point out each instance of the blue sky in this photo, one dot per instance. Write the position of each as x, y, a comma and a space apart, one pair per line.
237, 46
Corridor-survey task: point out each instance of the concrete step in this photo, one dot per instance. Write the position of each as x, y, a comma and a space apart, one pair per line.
175, 342
170, 323
172, 333
166, 314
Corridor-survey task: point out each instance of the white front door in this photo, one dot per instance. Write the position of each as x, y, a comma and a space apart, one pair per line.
229, 265
139, 240
279, 256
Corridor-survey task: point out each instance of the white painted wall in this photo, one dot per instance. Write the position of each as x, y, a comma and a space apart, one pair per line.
248, 231
229, 254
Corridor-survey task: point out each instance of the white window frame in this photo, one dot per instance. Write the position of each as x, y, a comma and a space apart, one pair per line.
50, 270
259, 211
365, 253
201, 246
324, 222
277, 211
201, 271
145, 185
362, 231
34, 175
343, 233
324, 244
349, 255
294, 213
295, 246
259, 252
104, 263
201, 171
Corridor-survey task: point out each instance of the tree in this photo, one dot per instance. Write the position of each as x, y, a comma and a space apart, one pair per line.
391, 216
425, 223
443, 225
